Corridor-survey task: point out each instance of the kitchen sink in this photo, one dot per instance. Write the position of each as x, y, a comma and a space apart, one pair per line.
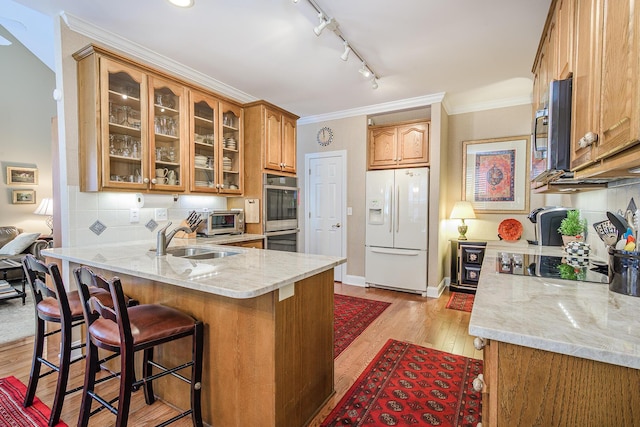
199, 253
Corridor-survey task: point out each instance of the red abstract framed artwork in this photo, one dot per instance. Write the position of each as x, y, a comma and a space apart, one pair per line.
495, 174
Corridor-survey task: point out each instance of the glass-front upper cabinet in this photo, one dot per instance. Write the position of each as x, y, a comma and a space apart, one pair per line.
124, 126
168, 141
232, 148
204, 121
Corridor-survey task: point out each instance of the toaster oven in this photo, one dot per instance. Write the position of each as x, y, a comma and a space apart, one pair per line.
222, 222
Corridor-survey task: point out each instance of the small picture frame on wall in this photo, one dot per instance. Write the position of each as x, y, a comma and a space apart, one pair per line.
24, 197
22, 176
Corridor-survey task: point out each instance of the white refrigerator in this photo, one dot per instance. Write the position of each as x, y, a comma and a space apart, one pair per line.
397, 206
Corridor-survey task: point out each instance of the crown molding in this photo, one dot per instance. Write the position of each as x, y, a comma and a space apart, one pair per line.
385, 107
138, 51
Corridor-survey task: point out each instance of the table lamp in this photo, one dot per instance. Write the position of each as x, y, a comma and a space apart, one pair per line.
46, 208
462, 210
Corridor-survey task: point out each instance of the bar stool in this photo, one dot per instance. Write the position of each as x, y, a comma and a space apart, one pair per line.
54, 304
126, 331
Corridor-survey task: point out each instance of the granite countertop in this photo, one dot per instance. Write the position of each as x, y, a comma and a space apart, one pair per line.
250, 273
576, 318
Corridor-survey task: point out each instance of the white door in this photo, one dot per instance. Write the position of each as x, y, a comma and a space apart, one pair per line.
411, 208
325, 225
380, 208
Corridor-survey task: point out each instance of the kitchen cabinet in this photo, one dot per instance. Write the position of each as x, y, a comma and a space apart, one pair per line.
270, 135
216, 145
143, 130
602, 41
257, 244
400, 145
466, 264
523, 386
129, 140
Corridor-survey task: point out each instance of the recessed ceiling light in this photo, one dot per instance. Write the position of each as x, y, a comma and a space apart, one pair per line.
182, 3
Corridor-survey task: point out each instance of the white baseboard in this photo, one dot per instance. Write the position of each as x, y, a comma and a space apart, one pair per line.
353, 280
435, 292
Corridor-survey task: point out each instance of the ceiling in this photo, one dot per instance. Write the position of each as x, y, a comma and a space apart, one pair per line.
477, 53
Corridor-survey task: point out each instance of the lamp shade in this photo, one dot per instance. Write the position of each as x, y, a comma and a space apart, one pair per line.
462, 210
45, 208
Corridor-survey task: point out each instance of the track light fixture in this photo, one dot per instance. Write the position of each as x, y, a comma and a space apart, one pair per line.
365, 71
332, 24
347, 49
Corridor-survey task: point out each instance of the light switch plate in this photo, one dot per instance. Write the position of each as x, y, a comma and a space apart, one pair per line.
134, 215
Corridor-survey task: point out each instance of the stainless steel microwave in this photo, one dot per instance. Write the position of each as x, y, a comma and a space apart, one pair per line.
552, 131
223, 222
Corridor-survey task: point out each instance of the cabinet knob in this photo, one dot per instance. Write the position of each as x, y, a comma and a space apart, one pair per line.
588, 139
146, 180
478, 383
153, 181
479, 343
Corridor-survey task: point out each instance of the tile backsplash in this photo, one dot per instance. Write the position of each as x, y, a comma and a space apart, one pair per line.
113, 210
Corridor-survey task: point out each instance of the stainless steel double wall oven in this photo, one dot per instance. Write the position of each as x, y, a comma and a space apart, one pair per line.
281, 212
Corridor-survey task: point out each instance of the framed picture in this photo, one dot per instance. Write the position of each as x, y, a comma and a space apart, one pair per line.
22, 176
24, 197
495, 175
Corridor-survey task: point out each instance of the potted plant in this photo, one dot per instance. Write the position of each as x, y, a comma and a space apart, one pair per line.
572, 227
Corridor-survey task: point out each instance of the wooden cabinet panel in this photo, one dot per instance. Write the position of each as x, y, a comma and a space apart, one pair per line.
382, 147
584, 109
413, 144
289, 158
526, 386
564, 24
401, 145
271, 135
618, 95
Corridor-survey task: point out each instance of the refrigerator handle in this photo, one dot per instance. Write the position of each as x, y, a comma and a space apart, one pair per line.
391, 216
397, 209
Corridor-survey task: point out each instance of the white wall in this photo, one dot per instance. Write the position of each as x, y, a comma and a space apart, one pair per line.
26, 110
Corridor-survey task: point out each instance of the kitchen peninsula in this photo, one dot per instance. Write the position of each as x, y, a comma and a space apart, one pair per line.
556, 352
268, 354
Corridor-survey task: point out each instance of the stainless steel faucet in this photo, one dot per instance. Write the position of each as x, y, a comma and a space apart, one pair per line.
164, 239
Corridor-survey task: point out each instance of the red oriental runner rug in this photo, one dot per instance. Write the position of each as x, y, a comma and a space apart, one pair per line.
12, 413
461, 301
406, 384
352, 316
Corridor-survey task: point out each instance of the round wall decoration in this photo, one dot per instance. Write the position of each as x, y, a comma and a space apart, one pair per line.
325, 136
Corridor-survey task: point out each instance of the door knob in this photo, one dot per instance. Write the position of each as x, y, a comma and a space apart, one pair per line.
338, 225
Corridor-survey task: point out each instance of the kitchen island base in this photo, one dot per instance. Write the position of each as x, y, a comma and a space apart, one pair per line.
527, 387
266, 362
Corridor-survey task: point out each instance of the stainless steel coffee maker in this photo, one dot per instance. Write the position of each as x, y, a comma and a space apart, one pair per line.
547, 220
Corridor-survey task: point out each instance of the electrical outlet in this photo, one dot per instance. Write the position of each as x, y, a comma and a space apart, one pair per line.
349, 210
134, 215
161, 214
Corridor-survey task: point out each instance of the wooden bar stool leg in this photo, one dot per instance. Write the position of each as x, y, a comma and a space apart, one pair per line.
147, 371
34, 376
127, 377
63, 375
196, 374
89, 384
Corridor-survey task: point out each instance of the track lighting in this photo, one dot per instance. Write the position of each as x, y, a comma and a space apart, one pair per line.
347, 49
332, 24
324, 23
365, 71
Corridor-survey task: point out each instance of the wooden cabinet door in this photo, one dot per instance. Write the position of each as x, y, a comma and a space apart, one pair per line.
168, 140
288, 144
204, 142
124, 128
382, 148
586, 56
552, 50
413, 144
273, 139
231, 162
618, 95
564, 24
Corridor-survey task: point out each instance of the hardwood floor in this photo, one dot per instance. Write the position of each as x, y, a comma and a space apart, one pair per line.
411, 318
